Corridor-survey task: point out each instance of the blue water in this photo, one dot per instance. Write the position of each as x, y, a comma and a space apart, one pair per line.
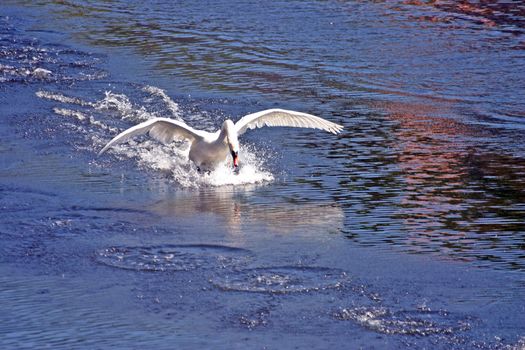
406, 230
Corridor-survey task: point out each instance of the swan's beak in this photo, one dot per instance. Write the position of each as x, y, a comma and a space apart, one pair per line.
235, 156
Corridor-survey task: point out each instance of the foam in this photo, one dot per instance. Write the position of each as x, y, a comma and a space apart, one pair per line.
170, 160
250, 172
172, 105
124, 107
41, 73
173, 161
406, 322
70, 113
281, 279
83, 117
62, 98
170, 257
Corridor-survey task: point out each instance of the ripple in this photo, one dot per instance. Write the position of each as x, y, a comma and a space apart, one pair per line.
173, 257
407, 322
284, 279
26, 60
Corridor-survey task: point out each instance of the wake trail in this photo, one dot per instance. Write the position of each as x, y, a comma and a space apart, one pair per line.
171, 159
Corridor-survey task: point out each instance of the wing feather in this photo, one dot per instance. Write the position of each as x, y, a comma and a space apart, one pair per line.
283, 117
163, 129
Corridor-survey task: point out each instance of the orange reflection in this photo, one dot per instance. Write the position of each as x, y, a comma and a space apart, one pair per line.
458, 194
430, 159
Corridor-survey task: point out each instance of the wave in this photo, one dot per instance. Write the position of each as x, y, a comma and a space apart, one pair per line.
171, 160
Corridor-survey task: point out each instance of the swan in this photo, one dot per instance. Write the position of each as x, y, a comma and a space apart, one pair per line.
208, 149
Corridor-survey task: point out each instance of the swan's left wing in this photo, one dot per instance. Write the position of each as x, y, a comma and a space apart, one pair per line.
162, 129
283, 117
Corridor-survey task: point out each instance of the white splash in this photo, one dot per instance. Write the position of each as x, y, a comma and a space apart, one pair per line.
54, 96
41, 73
251, 171
170, 160
124, 107
172, 105
65, 112
70, 113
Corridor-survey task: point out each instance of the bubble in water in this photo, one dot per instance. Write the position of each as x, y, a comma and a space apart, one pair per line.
417, 322
173, 257
285, 279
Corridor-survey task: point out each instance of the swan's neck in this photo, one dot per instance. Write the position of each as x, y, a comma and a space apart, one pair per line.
228, 135
223, 136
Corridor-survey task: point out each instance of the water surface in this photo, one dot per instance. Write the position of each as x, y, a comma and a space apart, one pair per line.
406, 230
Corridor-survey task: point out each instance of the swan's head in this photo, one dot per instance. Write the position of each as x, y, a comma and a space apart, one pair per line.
231, 140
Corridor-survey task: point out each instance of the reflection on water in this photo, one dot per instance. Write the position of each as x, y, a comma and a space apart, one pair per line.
509, 15
456, 198
434, 185
240, 215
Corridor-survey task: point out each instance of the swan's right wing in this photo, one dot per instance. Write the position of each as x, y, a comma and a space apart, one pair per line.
283, 117
163, 129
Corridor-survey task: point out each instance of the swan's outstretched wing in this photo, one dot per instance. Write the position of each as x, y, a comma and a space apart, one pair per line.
163, 129
282, 117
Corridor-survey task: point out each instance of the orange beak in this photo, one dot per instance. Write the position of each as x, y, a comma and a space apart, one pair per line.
235, 156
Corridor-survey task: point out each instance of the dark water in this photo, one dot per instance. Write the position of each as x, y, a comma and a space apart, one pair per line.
407, 230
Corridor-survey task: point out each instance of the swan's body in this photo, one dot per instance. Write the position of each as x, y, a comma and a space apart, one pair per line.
207, 149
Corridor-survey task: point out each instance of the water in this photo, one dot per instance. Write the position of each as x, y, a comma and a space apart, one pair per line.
406, 230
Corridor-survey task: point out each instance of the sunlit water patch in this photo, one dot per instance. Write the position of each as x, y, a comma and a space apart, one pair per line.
284, 279
173, 257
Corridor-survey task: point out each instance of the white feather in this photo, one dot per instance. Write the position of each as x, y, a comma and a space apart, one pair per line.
283, 117
163, 129
208, 150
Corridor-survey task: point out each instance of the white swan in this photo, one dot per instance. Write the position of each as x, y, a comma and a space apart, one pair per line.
208, 149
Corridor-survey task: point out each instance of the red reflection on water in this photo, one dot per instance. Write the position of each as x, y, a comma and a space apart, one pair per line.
490, 13
459, 194
431, 161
